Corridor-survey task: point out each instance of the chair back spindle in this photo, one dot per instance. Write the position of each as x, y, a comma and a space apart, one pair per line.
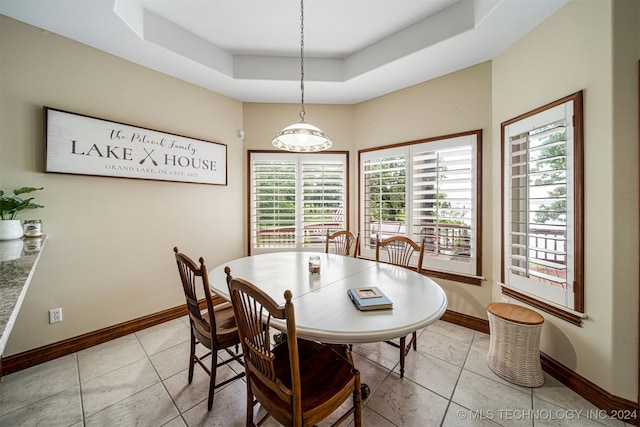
400, 250
342, 242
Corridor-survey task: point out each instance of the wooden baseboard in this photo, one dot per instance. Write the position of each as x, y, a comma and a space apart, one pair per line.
467, 321
20, 361
52, 351
616, 407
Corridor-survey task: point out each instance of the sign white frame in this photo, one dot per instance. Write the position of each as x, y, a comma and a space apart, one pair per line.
84, 145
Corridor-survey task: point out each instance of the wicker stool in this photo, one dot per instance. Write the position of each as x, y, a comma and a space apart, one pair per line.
514, 346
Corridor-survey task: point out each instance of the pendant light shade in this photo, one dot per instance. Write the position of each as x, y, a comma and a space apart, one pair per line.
302, 137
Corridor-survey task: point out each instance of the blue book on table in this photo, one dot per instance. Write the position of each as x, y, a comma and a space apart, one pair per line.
369, 298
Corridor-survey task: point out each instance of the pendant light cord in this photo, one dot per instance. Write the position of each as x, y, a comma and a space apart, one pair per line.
302, 112
302, 137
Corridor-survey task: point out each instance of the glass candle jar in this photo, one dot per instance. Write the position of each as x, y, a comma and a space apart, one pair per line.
314, 264
33, 228
32, 245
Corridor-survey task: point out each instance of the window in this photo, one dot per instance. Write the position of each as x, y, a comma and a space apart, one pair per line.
426, 189
542, 206
295, 199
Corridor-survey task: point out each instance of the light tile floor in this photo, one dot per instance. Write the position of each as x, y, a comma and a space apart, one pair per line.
141, 380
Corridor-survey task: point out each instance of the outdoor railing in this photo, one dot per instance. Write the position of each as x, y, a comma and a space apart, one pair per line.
548, 245
313, 235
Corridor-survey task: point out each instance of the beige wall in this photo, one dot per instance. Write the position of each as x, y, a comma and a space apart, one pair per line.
572, 51
626, 56
109, 255
451, 104
112, 238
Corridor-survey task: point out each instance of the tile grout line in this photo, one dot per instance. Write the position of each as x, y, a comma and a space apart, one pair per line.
83, 419
455, 385
164, 386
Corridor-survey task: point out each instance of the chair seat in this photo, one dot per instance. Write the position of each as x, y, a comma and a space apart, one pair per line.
225, 321
323, 374
227, 330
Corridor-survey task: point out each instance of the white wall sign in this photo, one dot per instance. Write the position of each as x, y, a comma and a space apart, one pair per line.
84, 145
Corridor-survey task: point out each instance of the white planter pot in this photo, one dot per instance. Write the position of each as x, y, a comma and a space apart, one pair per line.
10, 229
10, 249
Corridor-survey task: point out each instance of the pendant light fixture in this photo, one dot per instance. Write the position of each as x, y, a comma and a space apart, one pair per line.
302, 137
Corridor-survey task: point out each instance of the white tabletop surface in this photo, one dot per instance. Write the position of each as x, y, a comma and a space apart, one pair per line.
323, 310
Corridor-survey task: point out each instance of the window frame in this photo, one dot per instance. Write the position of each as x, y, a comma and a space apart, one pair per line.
408, 147
297, 158
575, 191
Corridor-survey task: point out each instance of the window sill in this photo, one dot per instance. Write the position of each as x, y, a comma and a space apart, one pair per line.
470, 280
565, 314
454, 277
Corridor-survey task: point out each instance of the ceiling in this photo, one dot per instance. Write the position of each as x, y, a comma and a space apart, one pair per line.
354, 50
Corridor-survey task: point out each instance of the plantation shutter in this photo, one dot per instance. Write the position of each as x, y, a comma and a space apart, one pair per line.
323, 198
295, 199
424, 190
539, 221
443, 202
273, 202
384, 196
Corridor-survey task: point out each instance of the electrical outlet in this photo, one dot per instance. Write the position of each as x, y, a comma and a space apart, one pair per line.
504, 299
55, 315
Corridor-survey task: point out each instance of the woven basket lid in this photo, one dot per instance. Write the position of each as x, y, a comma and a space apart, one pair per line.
515, 313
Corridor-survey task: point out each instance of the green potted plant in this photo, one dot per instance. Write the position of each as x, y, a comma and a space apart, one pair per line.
10, 207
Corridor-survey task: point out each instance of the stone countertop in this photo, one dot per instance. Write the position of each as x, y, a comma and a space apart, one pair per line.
17, 264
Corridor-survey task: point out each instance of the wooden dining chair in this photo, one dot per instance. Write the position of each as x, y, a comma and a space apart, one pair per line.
215, 332
297, 382
400, 250
342, 242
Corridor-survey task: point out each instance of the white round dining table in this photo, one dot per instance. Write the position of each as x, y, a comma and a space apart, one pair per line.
324, 311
